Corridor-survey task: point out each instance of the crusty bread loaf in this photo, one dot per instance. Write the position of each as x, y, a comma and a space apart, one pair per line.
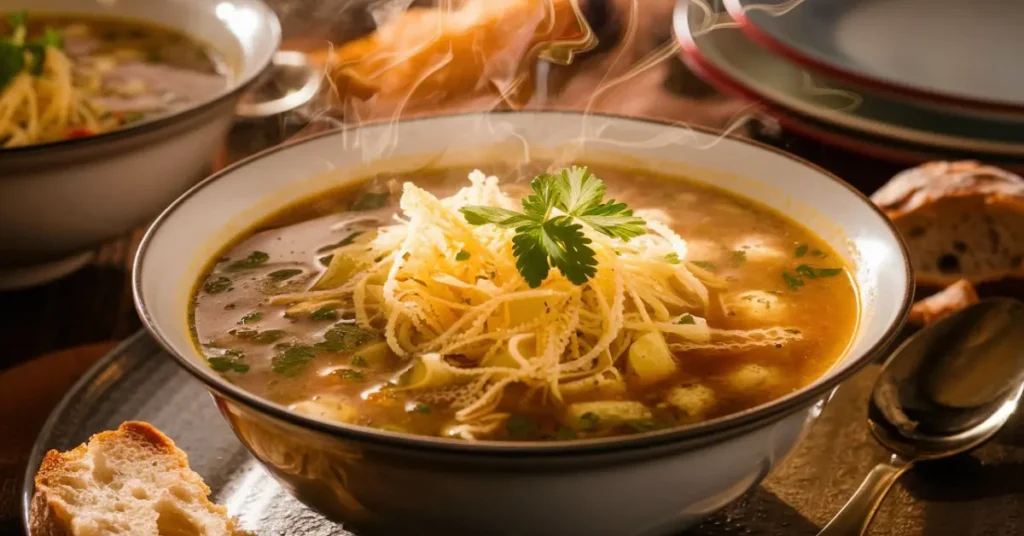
947, 301
961, 220
130, 482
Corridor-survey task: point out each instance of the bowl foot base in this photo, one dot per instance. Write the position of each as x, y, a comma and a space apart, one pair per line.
37, 274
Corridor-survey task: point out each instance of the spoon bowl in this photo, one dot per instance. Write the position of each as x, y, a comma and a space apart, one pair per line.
944, 391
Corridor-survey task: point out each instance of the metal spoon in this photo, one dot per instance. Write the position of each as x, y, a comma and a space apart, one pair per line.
944, 391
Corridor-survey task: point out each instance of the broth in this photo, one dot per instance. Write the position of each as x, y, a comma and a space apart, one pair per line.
776, 278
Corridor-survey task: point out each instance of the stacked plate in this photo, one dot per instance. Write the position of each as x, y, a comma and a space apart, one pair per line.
905, 80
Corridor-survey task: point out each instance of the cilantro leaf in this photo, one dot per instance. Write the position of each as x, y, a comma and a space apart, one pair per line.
510, 219
566, 245
12, 61
531, 258
16, 19
578, 190
613, 219
544, 239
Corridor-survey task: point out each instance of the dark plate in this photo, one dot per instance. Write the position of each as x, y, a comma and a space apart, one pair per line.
955, 51
965, 497
728, 54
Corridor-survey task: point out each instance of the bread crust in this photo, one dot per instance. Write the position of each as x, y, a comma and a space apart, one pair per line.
949, 300
942, 186
48, 515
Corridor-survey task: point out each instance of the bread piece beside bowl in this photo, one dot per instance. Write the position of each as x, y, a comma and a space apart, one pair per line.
961, 220
132, 481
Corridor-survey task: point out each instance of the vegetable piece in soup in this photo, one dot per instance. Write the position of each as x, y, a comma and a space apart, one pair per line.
550, 304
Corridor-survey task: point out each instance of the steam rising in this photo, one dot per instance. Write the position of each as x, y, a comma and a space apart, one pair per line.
482, 55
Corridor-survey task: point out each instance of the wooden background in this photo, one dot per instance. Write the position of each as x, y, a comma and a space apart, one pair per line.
53, 332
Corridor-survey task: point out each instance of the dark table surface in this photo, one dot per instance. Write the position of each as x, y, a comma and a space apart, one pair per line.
94, 305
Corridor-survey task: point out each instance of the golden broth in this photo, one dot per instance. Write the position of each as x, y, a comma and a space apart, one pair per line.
747, 245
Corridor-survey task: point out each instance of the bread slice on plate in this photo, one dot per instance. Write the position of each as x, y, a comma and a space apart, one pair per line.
961, 220
130, 482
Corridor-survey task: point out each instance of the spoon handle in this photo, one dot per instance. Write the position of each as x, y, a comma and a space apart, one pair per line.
856, 514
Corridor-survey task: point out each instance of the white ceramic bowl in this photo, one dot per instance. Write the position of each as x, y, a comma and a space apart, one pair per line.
57, 200
654, 483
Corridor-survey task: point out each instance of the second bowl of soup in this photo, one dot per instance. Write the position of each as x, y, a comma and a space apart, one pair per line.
537, 323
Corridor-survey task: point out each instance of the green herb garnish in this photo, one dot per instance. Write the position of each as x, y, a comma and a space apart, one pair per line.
811, 272
709, 266
18, 55
819, 253
254, 316
672, 258
327, 312
281, 275
227, 364
544, 239
686, 319
792, 281
360, 361
326, 260
801, 250
255, 259
420, 407
218, 285
348, 240
588, 421
292, 360
462, 256
371, 201
349, 374
345, 338
739, 257
521, 427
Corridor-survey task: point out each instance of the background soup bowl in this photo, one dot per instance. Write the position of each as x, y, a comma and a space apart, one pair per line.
655, 483
59, 199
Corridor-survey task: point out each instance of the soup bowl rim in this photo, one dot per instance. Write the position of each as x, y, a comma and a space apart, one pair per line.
686, 436
233, 88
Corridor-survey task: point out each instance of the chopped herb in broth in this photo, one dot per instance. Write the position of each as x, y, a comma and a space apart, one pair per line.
753, 307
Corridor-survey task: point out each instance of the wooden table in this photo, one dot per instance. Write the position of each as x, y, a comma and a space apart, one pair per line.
53, 332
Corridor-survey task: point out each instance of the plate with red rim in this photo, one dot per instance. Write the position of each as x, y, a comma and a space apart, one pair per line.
739, 65
946, 51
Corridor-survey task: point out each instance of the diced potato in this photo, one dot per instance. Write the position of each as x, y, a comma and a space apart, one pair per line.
339, 271
694, 400
605, 414
756, 305
327, 407
605, 384
752, 377
650, 360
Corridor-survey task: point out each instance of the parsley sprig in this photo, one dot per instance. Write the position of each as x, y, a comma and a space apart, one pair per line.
549, 230
18, 54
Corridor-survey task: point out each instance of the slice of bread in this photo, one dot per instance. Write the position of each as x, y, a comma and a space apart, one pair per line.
961, 220
947, 301
130, 482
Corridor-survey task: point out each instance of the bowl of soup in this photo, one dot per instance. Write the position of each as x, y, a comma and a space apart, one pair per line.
110, 110
522, 323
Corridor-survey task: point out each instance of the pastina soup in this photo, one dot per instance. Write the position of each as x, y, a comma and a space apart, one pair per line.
552, 304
